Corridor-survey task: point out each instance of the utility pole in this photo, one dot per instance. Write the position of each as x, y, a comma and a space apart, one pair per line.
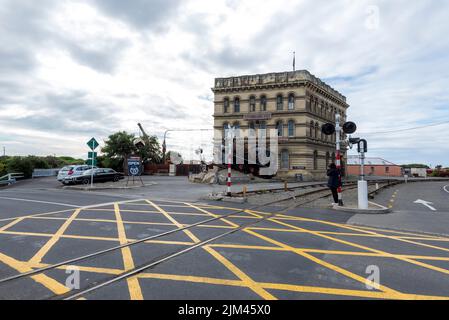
338, 157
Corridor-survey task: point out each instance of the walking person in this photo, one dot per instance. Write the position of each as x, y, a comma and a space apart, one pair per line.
333, 182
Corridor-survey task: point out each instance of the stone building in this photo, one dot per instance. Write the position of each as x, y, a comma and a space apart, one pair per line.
296, 104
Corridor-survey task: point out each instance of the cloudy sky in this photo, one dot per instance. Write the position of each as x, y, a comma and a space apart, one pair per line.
70, 70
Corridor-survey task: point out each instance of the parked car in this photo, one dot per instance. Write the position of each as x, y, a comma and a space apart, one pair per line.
99, 175
67, 174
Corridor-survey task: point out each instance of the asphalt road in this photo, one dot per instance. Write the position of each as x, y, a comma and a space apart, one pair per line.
410, 215
290, 254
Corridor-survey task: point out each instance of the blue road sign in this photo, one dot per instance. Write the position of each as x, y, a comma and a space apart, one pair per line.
133, 166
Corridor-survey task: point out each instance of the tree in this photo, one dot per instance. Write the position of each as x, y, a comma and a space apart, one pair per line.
120, 145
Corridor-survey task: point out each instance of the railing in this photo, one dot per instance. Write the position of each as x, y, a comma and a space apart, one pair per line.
11, 178
45, 172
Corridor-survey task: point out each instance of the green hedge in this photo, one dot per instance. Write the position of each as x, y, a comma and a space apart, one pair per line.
29, 163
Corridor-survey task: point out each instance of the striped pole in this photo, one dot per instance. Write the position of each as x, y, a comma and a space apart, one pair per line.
230, 146
338, 157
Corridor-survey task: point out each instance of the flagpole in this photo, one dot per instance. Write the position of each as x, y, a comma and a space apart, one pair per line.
294, 56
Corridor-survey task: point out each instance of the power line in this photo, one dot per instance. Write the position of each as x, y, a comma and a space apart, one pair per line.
408, 129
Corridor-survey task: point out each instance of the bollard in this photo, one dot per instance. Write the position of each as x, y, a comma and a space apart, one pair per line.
285, 185
244, 191
377, 186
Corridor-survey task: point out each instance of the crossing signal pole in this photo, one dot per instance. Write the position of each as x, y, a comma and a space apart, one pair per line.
329, 129
338, 157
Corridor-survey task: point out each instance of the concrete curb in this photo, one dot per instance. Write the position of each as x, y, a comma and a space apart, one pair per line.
381, 209
81, 188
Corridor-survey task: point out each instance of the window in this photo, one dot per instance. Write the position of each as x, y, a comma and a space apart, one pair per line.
252, 103
251, 125
279, 102
312, 128
262, 125
226, 105
263, 103
387, 169
236, 126
327, 159
280, 128
315, 160
291, 101
225, 129
333, 157
291, 128
316, 130
285, 160
236, 105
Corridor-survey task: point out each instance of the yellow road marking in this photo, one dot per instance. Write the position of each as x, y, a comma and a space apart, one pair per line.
9, 225
250, 283
391, 255
46, 281
50, 243
133, 283
388, 291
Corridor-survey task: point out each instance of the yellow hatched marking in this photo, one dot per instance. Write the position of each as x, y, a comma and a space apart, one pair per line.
387, 254
250, 283
133, 283
388, 291
9, 225
50, 243
46, 281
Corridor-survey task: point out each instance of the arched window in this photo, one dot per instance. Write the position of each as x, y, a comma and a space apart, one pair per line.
285, 163
280, 128
327, 159
312, 128
263, 103
333, 157
315, 160
316, 130
291, 101
279, 102
236, 104
252, 103
291, 128
226, 105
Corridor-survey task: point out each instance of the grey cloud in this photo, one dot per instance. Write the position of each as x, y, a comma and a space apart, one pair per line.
141, 13
67, 112
104, 58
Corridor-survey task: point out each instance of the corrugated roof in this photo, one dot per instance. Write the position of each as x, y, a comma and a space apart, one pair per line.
373, 161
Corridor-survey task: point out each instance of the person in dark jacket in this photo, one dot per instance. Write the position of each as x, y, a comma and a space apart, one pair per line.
333, 182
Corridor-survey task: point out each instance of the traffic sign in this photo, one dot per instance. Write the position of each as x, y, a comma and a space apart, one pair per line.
93, 144
91, 155
91, 162
133, 166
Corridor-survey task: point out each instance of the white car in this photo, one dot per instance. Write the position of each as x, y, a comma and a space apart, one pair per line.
68, 173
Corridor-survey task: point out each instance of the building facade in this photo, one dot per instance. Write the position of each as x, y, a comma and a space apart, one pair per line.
296, 104
373, 167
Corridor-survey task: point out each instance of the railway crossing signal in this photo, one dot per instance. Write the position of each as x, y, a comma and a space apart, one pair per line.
329, 129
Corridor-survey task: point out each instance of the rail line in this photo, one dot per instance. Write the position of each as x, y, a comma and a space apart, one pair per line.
151, 263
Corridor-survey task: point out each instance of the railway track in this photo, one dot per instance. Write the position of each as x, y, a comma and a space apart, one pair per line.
75, 294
